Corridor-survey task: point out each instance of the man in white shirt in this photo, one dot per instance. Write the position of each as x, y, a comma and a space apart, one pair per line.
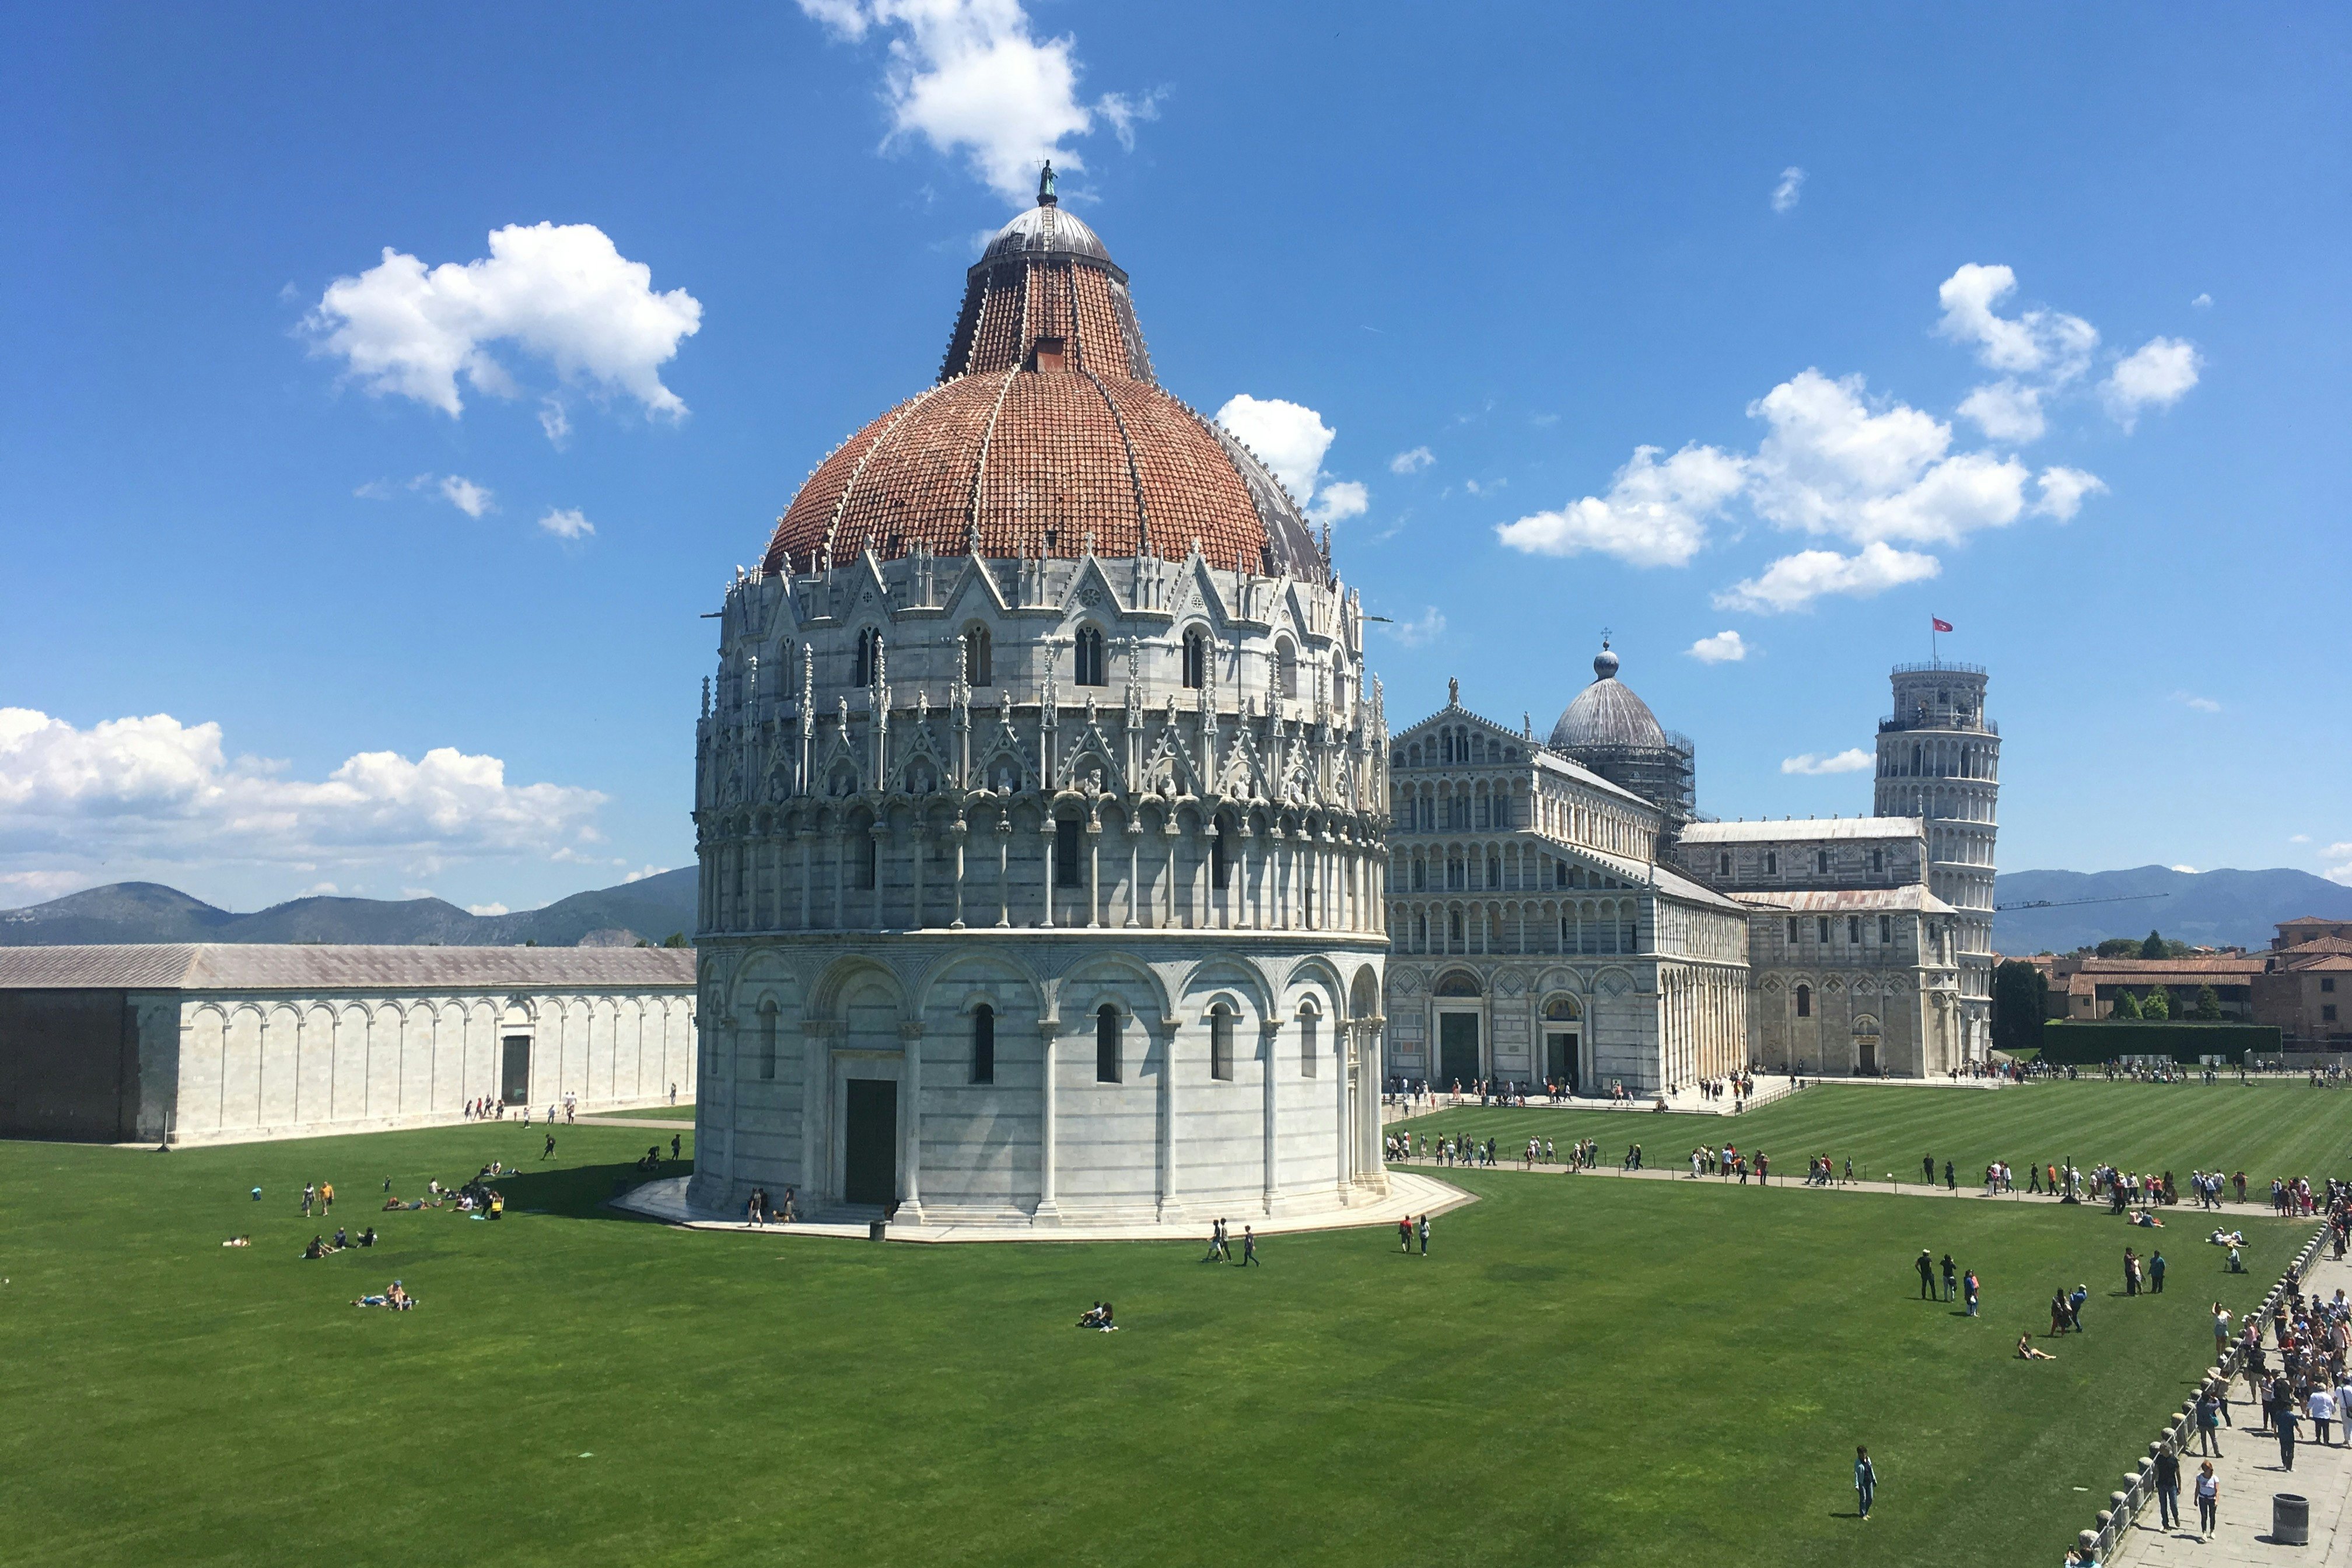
2322, 1405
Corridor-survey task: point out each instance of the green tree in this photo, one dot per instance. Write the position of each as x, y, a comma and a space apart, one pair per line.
2157, 1005
2209, 1005
2154, 947
676, 939
2021, 1000
2126, 1007
2119, 947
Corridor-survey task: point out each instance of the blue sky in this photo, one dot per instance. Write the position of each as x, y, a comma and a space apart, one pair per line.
325, 569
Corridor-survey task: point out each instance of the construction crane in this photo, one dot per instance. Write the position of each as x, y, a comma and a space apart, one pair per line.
2068, 903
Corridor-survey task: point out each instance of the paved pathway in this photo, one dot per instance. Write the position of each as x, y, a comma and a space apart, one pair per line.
1408, 1193
2249, 1473
1684, 1101
2183, 1223
673, 1124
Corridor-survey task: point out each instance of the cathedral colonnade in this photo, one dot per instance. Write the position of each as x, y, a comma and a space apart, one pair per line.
1002, 1080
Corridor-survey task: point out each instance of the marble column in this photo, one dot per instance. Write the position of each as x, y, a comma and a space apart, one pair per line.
1048, 1212
911, 1081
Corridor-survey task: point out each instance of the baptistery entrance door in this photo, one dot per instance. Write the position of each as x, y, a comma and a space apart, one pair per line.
870, 1142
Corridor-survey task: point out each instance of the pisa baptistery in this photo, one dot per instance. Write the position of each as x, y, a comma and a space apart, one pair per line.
1040, 798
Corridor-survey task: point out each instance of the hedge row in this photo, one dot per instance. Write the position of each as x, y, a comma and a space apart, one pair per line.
2076, 1041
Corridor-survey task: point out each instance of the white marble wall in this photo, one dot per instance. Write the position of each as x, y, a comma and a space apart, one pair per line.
261, 1065
789, 1020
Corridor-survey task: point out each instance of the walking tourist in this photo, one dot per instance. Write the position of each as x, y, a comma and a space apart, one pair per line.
1865, 1480
1951, 1278
2168, 1486
2208, 1422
2209, 1500
1424, 1236
1249, 1247
1968, 1289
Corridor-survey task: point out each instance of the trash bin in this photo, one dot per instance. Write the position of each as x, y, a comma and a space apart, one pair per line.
2290, 1520
875, 1229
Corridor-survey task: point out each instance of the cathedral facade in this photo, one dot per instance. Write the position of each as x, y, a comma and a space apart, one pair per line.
1041, 802
1562, 915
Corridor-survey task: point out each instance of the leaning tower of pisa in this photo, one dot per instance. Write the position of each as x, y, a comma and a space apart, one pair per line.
1939, 758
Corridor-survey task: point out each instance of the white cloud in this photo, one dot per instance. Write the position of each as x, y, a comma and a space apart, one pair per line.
556, 422
2006, 410
1288, 437
564, 294
487, 909
2341, 871
1723, 647
2298, 838
968, 78
2048, 344
20, 887
1853, 760
1792, 186
468, 497
566, 524
1411, 462
1421, 630
2202, 704
641, 876
1655, 514
374, 490
2157, 374
2191, 869
1338, 501
1794, 582
136, 793
319, 890
2203, 302
2063, 491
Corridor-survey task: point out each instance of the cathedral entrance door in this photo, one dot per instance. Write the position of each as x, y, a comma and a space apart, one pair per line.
870, 1142
1457, 1049
1559, 1059
1868, 1051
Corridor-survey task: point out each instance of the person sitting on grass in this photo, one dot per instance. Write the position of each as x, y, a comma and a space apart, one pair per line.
367, 1237
318, 1248
342, 1241
2027, 1351
2146, 1217
1093, 1317
238, 1241
1104, 1323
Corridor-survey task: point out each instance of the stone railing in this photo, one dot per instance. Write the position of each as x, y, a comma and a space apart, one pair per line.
2139, 1489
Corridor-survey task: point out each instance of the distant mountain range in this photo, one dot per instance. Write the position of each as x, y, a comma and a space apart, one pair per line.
2208, 908
149, 911
2205, 908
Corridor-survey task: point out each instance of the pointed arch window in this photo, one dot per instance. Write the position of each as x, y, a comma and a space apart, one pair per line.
1090, 657
983, 1044
1066, 853
767, 1040
1219, 868
1221, 1042
979, 658
1804, 1001
1196, 659
869, 646
1107, 1044
868, 857
1285, 668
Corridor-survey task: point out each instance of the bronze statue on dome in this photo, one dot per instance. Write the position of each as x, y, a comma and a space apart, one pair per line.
1045, 197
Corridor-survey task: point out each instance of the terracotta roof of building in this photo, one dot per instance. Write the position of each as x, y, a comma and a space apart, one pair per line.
272, 966
1046, 430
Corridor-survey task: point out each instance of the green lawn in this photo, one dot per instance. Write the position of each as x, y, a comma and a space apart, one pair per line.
1582, 1371
2264, 1129
653, 1113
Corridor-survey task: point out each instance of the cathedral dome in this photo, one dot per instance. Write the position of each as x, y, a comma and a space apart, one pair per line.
1046, 435
1606, 714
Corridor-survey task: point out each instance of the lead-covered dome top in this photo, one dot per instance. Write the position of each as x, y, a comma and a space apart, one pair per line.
1047, 431
1606, 714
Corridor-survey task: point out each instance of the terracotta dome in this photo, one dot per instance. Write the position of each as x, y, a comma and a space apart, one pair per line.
1045, 432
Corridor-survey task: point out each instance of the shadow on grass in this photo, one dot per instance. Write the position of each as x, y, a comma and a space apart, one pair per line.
581, 1192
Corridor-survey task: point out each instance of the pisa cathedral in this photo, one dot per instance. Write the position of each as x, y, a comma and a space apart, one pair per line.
1058, 865
1561, 915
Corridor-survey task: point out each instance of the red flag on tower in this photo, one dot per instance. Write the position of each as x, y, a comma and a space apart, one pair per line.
1941, 625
